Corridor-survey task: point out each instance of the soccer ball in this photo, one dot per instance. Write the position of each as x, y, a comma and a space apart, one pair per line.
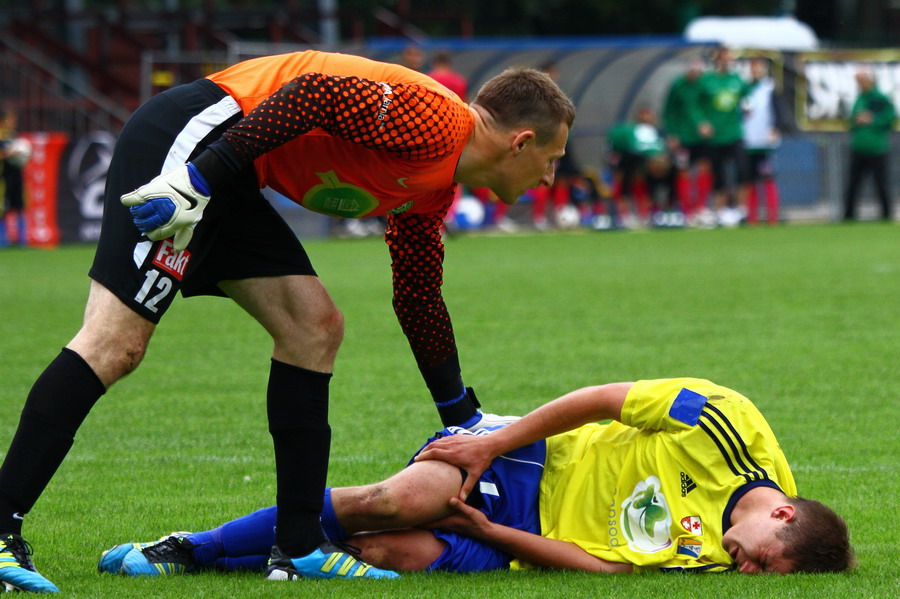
19, 152
468, 213
568, 217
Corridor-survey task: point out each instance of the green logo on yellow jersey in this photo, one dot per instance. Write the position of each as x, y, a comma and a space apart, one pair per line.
646, 519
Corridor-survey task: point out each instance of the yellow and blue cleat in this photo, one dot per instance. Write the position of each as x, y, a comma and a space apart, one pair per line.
329, 560
17, 572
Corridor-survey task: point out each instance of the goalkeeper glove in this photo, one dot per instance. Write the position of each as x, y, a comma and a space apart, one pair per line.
170, 204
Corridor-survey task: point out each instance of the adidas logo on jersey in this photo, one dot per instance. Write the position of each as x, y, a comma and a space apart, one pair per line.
687, 484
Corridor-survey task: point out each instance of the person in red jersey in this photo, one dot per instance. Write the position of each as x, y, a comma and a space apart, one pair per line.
442, 71
340, 135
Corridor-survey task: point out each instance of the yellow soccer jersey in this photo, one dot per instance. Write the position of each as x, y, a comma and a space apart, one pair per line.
657, 489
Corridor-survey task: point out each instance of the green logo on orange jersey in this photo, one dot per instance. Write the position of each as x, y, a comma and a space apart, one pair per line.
338, 199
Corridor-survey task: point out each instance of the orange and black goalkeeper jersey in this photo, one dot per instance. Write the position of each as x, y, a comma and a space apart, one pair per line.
350, 137
403, 118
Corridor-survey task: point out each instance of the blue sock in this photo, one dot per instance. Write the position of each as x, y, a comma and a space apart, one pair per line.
330, 525
20, 224
248, 536
207, 546
249, 562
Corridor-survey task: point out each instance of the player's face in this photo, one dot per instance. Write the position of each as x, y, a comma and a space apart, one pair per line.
695, 70
864, 81
758, 69
531, 165
756, 549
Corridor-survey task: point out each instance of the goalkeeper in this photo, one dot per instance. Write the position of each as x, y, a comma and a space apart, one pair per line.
338, 134
688, 477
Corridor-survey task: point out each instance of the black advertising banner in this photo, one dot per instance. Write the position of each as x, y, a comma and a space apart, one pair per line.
82, 176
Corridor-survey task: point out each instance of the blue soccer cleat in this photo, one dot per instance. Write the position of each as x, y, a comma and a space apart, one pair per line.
329, 560
170, 556
17, 572
111, 559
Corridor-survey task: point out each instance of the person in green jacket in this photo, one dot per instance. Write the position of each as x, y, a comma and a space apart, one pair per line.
871, 121
720, 103
692, 177
640, 167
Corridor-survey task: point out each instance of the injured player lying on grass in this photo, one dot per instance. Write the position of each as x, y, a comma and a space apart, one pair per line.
686, 476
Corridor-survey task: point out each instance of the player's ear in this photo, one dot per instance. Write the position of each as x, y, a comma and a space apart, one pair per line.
786, 512
522, 139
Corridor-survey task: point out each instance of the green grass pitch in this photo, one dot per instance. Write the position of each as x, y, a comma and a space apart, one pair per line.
802, 319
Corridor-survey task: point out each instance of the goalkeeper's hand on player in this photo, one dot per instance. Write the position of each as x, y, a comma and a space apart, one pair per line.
171, 204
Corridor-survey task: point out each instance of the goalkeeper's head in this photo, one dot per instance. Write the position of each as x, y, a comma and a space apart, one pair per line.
522, 129
521, 97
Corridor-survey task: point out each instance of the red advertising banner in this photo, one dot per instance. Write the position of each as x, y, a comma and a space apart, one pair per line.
42, 187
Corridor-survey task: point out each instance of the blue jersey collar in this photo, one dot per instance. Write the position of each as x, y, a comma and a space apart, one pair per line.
736, 496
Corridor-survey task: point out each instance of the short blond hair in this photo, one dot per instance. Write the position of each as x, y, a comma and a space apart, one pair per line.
527, 97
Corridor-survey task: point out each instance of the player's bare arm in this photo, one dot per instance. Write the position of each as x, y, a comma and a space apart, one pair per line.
525, 546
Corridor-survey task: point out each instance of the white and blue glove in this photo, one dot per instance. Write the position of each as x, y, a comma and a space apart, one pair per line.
171, 204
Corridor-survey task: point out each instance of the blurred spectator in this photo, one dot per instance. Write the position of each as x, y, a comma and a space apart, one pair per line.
871, 120
442, 72
692, 179
764, 120
720, 101
596, 192
15, 152
640, 168
558, 197
413, 57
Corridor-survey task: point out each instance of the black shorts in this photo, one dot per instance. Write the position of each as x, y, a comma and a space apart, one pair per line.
760, 166
566, 167
728, 159
696, 152
240, 235
13, 182
631, 166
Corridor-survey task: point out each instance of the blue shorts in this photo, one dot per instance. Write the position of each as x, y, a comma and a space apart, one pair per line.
507, 493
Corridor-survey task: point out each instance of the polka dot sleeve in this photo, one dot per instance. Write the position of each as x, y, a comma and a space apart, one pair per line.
410, 120
417, 256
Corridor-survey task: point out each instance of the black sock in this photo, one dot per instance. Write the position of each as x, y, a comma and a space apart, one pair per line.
59, 401
454, 405
297, 404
